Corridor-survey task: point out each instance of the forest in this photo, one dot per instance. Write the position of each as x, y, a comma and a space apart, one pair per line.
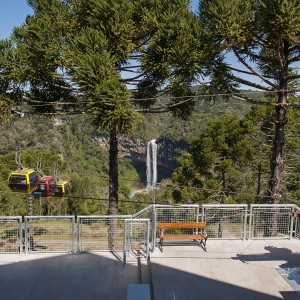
219, 155
218, 88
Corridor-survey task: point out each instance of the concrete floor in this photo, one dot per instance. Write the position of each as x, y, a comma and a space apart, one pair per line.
230, 269
86, 276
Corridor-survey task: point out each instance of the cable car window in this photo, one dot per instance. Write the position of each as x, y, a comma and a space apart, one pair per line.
67, 189
34, 178
18, 179
58, 192
52, 185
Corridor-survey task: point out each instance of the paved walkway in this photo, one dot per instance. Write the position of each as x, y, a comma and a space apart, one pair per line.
229, 270
61, 277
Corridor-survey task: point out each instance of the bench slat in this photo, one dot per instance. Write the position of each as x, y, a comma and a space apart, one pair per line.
178, 237
181, 225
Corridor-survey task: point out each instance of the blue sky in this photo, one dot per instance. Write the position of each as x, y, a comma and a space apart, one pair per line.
14, 12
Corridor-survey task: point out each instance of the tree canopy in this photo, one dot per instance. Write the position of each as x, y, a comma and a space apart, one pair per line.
104, 57
263, 36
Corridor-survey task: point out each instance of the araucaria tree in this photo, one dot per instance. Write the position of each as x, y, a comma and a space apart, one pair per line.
106, 53
262, 38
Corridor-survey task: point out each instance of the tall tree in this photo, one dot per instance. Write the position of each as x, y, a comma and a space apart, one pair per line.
220, 158
108, 53
263, 36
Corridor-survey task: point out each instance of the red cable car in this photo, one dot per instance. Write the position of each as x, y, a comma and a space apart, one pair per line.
46, 187
46, 184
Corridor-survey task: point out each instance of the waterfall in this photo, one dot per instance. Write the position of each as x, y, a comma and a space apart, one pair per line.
151, 164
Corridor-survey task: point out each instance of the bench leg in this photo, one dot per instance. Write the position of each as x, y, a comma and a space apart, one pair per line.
161, 240
202, 244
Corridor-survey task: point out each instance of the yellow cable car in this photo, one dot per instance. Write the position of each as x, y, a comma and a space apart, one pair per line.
62, 189
23, 180
62, 186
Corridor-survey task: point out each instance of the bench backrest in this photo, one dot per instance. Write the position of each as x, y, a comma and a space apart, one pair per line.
181, 225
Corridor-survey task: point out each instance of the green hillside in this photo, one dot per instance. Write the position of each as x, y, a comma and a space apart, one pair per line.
69, 141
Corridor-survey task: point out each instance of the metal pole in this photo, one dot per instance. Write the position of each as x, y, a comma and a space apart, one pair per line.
30, 213
148, 235
153, 227
197, 213
20, 235
73, 235
78, 234
26, 235
250, 221
124, 243
292, 224
245, 222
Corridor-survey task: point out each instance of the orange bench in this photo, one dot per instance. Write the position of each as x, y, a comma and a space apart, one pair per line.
195, 236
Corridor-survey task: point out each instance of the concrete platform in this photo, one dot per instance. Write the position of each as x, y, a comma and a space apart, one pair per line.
230, 269
86, 276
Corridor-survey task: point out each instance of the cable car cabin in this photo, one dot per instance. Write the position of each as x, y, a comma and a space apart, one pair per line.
23, 181
62, 189
46, 187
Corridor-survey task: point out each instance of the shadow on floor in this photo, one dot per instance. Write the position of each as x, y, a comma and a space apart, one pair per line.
85, 276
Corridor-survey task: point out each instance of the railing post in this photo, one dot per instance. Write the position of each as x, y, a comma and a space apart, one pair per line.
148, 237
153, 227
20, 235
26, 235
245, 223
124, 243
250, 221
292, 224
197, 213
73, 235
78, 234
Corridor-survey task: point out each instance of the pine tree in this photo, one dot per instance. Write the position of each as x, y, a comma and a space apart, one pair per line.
264, 38
105, 54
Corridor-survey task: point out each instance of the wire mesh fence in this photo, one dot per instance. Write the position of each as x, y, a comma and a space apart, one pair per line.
225, 221
297, 228
100, 233
110, 233
270, 221
147, 213
49, 234
173, 214
296, 215
10, 234
136, 238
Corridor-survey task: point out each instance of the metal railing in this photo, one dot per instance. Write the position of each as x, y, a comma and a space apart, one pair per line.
297, 228
136, 238
100, 233
297, 222
11, 234
225, 221
147, 213
137, 234
49, 234
271, 221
